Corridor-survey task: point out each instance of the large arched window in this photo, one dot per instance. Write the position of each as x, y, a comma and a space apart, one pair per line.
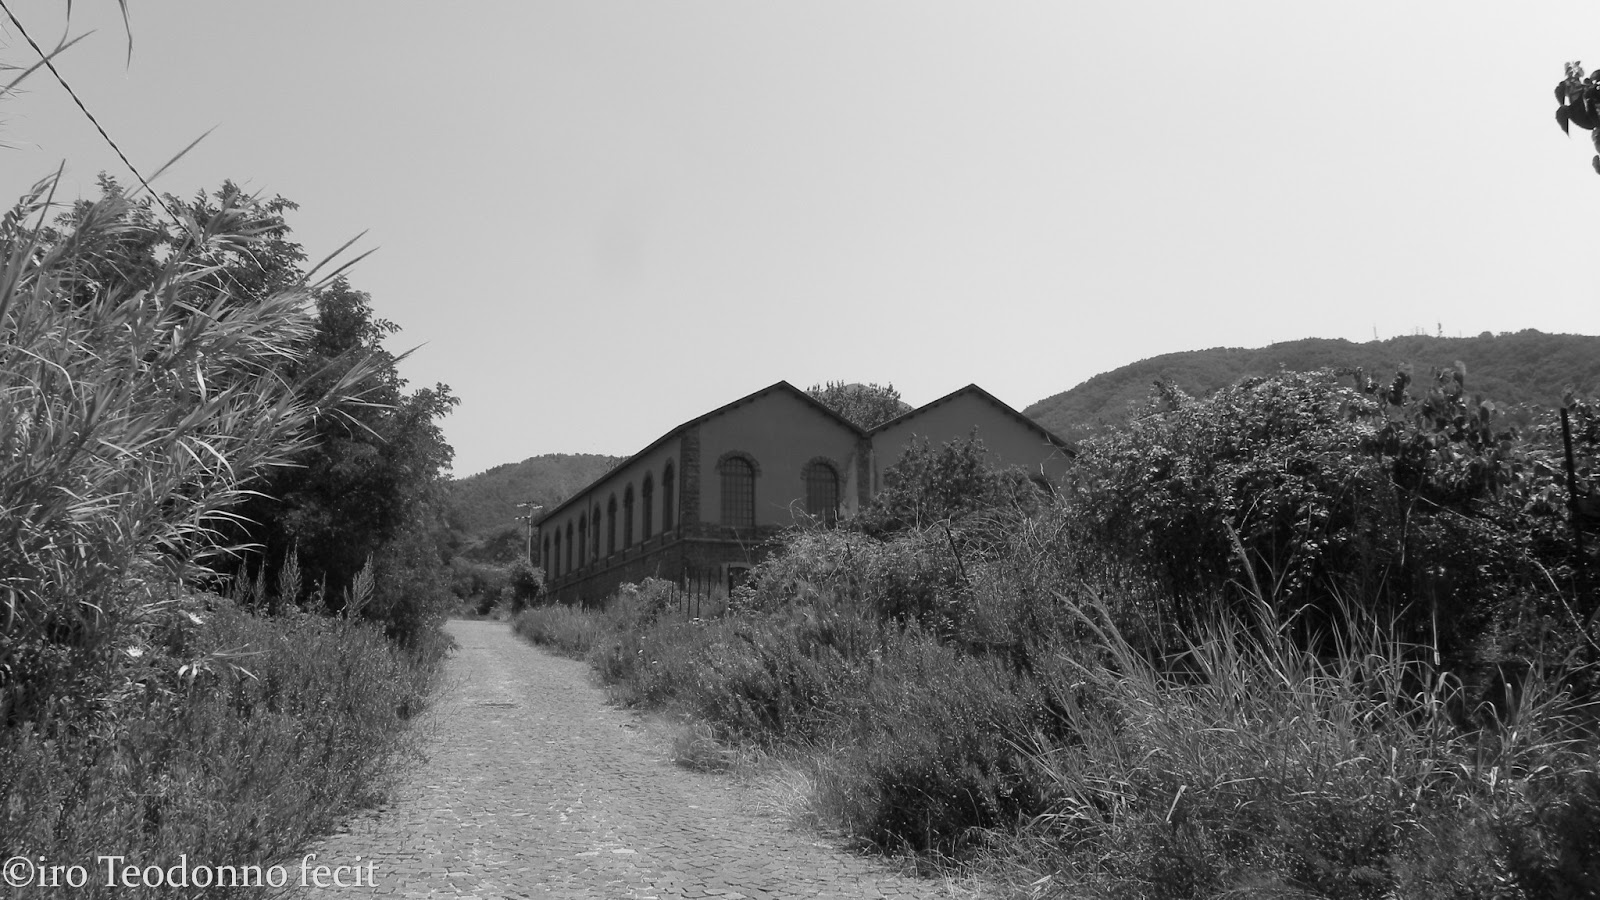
567, 565
555, 560
647, 493
611, 525
583, 538
594, 534
738, 490
822, 490
667, 521
544, 553
627, 516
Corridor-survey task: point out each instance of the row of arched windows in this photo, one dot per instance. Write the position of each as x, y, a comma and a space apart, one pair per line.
583, 538
737, 471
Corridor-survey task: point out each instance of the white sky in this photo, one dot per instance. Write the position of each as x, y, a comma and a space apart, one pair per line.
601, 219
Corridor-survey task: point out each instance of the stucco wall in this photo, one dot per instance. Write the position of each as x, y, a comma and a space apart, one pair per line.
781, 433
1009, 442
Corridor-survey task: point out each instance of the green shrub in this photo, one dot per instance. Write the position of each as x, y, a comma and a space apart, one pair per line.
925, 486
226, 737
929, 754
573, 632
1416, 502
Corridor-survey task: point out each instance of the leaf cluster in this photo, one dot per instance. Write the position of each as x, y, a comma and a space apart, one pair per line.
1578, 103
864, 405
134, 416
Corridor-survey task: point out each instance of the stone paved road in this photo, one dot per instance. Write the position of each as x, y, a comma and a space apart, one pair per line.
534, 787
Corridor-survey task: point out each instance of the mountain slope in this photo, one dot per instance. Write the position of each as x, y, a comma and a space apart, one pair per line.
484, 506
1522, 367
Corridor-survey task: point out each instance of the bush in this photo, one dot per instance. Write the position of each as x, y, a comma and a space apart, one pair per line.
226, 737
527, 583
930, 756
573, 632
926, 486
1308, 492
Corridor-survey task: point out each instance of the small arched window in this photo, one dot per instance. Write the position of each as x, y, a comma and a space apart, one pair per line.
667, 521
627, 516
738, 491
647, 493
611, 525
822, 490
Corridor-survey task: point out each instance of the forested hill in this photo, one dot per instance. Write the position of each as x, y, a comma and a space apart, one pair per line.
485, 504
1524, 367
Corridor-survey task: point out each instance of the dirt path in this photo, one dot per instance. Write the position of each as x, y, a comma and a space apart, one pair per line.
534, 787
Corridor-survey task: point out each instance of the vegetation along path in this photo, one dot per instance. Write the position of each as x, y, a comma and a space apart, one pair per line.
534, 787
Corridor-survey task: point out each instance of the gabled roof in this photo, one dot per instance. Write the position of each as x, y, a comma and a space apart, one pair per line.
982, 394
779, 387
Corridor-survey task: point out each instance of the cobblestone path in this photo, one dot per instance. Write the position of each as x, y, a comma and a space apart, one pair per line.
534, 787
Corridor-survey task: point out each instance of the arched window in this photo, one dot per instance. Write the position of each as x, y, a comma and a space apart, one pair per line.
583, 538
667, 521
544, 553
822, 490
594, 531
738, 491
627, 517
611, 525
566, 565
555, 561
647, 493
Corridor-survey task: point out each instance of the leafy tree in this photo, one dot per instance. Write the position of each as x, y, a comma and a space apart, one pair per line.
1578, 103
864, 405
374, 474
370, 482
926, 486
1412, 500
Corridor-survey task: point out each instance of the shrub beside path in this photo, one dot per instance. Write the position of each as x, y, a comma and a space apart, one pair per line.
534, 787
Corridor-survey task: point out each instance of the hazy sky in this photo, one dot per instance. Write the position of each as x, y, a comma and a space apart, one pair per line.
599, 220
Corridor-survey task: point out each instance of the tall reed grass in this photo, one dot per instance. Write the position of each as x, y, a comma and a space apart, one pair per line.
139, 717
133, 414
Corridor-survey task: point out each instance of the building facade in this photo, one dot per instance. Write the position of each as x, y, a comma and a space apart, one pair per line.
709, 495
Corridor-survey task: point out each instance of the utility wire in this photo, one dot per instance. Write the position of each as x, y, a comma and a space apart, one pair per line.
45, 58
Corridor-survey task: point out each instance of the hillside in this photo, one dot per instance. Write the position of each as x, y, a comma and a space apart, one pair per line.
484, 506
1516, 368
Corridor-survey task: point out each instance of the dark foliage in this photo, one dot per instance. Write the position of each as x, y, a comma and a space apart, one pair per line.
927, 485
864, 405
1417, 498
371, 482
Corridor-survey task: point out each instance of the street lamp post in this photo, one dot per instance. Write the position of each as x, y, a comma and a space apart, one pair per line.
531, 508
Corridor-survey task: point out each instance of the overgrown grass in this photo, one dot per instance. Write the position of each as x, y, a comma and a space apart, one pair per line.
1023, 716
573, 632
1249, 766
229, 739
